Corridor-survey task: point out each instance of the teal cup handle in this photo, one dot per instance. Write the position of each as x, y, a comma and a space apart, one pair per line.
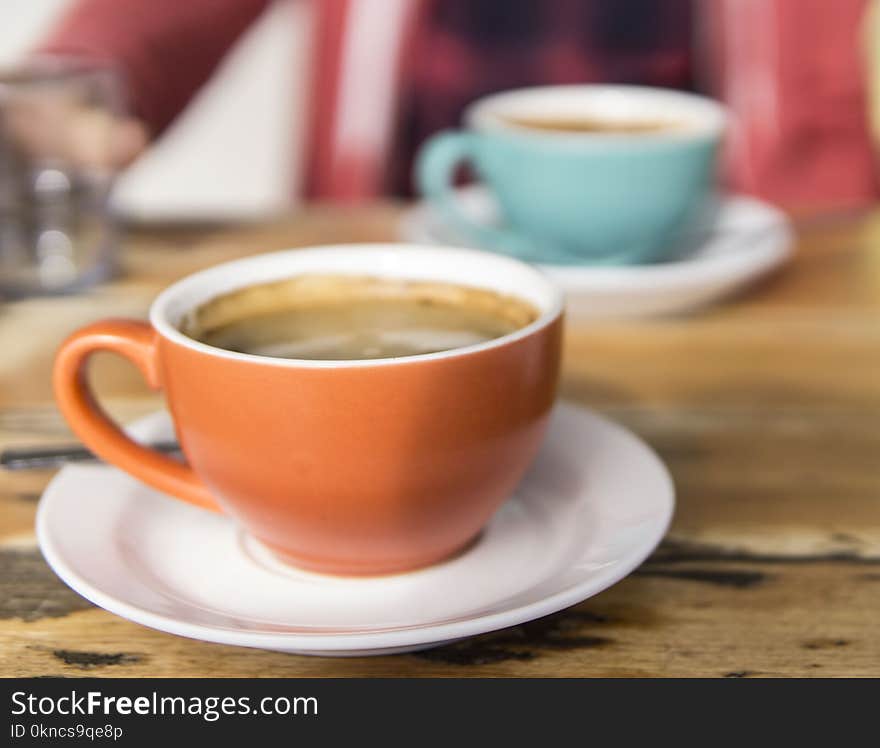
436, 165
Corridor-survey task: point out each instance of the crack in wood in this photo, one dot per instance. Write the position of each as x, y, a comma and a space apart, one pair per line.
523, 642
677, 551
736, 579
826, 643
29, 590
91, 660
29, 497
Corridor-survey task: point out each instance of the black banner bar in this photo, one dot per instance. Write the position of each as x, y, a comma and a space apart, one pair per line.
136, 712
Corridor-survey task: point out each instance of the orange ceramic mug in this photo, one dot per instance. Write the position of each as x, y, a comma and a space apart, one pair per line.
348, 467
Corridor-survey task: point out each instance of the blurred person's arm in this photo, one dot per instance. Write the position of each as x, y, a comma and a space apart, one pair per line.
165, 49
872, 53
793, 74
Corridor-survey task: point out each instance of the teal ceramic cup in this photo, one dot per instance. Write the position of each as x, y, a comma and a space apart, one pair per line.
584, 197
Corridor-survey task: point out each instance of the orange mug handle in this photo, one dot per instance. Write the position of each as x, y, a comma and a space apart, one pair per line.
136, 341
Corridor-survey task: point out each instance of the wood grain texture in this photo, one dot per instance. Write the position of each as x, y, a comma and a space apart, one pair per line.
766, 409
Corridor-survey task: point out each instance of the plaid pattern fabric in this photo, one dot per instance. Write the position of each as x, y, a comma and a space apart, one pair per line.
470, 48
795, 74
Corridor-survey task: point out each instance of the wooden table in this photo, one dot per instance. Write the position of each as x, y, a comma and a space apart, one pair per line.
766, 409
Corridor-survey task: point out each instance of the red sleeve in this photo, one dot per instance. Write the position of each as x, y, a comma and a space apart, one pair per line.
793, 75
165, 49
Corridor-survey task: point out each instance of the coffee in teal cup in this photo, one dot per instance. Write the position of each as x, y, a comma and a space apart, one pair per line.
583, 174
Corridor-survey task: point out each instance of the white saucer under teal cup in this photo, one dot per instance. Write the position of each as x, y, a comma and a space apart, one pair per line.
733, 242
609, 197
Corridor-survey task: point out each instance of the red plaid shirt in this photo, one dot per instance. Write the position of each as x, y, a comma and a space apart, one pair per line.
809, 145
471, 48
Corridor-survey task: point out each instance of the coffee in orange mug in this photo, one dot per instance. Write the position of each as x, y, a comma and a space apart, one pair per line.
361, 409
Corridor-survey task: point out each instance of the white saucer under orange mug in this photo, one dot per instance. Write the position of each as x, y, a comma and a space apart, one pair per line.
590, 509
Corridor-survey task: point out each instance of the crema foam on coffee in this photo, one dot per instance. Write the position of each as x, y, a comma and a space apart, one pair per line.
594, 125
339, 317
